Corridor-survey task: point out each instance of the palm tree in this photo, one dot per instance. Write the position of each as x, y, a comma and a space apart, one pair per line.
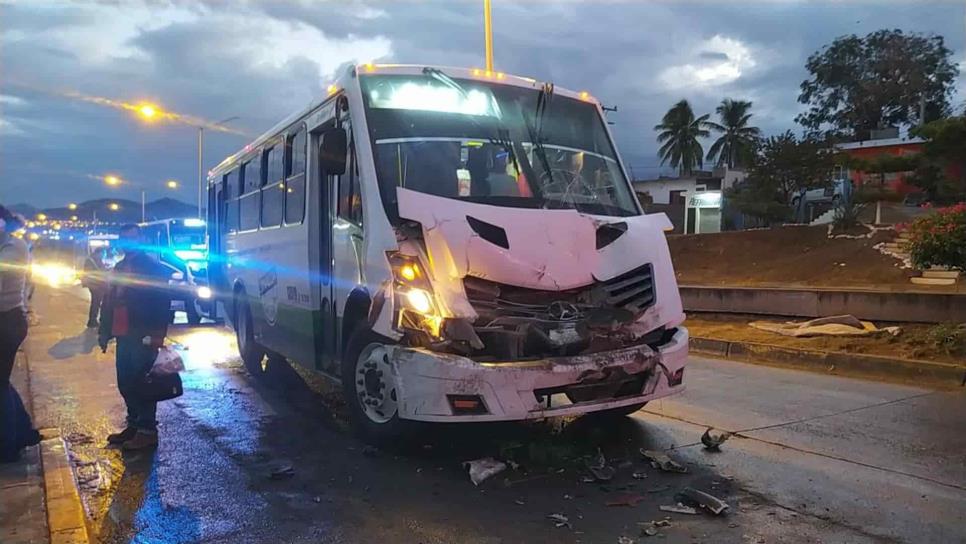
678, 133
737, 139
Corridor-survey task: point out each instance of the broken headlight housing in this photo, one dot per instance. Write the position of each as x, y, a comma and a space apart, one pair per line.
415, 300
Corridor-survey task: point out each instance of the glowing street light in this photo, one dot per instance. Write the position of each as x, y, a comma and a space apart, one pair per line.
73, 218
148, 111
112, 180
41, 217
72, 206
171, 184
114, 206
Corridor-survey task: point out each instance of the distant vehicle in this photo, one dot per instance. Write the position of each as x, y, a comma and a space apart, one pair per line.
182, 245
453, 245
833, 194
916, 199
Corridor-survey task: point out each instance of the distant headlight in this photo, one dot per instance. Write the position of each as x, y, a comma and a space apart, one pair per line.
204, 292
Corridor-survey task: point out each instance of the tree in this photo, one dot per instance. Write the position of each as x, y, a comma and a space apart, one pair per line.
884, 79
942, 166
783, 167
679, 131
737, 141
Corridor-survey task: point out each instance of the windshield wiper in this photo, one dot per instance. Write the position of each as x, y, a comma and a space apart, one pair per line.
535, 130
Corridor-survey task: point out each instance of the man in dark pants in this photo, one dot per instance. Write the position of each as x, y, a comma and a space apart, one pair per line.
135, 311
16, 430
94, 281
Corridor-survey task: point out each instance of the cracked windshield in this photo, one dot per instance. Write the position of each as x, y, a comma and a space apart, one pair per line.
482, 272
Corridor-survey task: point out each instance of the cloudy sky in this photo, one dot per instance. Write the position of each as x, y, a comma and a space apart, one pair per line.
262, 60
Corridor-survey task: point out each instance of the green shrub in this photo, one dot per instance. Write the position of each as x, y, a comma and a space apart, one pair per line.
950, 338
939, 238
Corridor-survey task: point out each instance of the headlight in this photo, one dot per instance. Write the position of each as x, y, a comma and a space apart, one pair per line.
414, 296
204, 292
419, 300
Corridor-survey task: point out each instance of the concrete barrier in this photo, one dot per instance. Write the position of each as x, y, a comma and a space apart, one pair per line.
910, 371
872, 305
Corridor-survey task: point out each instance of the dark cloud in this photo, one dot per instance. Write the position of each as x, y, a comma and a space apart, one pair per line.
263, 60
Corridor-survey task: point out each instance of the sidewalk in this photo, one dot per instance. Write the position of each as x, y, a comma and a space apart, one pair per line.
23, 514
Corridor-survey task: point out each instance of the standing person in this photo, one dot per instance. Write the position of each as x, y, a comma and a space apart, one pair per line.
16, 430
94, 281
135, 311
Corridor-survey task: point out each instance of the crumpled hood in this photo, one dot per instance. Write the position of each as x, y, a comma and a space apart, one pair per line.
546, 249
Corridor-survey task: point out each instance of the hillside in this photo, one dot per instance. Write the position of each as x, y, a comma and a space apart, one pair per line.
782, 256
128, 210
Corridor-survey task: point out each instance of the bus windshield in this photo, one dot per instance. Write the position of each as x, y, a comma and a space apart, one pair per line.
490, 143
184, 237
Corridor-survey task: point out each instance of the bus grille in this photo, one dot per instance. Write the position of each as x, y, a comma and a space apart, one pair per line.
632, 290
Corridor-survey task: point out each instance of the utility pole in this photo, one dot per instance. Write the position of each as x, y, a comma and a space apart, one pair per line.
201, 177
488, 30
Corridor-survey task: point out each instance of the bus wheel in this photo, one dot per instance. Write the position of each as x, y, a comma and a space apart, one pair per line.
252, 355
370, 389
191, 312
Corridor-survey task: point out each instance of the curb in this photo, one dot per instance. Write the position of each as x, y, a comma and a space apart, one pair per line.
65, 513
913, 371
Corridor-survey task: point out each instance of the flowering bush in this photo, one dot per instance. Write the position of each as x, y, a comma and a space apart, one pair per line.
939, 238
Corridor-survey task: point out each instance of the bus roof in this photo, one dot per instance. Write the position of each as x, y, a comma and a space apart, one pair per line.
399, 69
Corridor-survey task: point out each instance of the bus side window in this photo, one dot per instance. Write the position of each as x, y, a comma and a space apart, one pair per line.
295, 154
231, 200
350, 195
273, 193
248, 203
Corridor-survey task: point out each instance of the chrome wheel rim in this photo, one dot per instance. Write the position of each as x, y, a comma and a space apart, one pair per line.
375, 386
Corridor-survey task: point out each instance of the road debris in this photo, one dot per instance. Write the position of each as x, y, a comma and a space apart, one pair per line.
639, 475
649, 531
598, 467
660, 460
482, 469
282, 472
678, 509
659, 489
713, 441
625, 540
661, 523
560, 520
519, 502
707, 501
627, 499
371, 451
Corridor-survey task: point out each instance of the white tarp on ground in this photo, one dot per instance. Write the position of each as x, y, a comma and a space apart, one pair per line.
838, 325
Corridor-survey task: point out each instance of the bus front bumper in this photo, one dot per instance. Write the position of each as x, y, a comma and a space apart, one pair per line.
444, 387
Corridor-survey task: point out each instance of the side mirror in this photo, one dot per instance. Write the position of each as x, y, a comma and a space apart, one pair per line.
177, 276
333, 150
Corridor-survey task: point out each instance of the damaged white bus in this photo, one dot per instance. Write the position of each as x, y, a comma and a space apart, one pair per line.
451, 244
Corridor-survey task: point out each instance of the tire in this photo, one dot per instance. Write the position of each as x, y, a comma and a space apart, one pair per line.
623, 411
796, 201
367, 378
836, 201
191, 312
253, 356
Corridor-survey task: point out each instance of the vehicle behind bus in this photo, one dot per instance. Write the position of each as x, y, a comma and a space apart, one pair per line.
182, 245
452, 245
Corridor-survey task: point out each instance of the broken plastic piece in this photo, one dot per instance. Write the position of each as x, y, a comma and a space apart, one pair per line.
660, 460
482, 469
602, 474
282, 472
649, 531
560, 520
714, 441
639, 475
713, 504
678, 509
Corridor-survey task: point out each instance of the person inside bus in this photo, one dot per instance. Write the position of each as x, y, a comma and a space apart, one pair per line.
135, 312
95, 281
16, 429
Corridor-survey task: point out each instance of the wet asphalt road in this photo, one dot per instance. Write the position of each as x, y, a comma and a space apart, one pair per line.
816, 458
